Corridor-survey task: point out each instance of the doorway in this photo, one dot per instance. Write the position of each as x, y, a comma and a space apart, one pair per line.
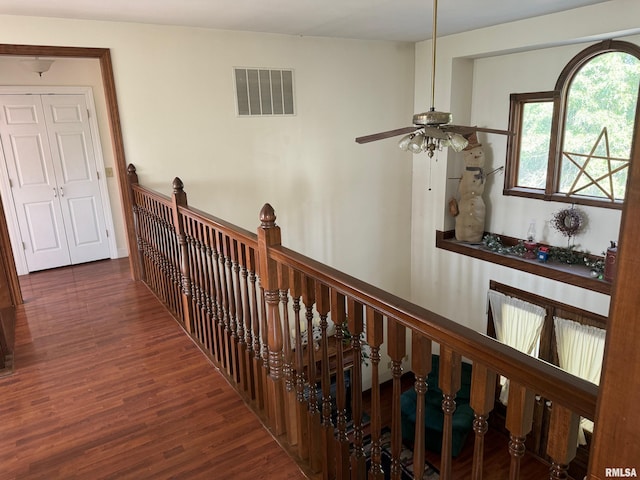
57, 205
103, 55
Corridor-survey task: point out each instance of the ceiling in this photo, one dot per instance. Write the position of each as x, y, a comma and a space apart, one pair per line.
396, 20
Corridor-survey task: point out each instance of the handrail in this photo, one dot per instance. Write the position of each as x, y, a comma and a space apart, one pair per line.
546, 379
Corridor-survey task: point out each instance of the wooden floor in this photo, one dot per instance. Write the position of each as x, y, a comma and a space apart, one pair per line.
108, 386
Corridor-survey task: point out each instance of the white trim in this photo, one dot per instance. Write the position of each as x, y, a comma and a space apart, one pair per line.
7, 200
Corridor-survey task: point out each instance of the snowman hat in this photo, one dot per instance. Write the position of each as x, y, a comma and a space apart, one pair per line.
473, 141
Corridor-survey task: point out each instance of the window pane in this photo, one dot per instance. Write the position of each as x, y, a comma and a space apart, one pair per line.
600, 116
534, 144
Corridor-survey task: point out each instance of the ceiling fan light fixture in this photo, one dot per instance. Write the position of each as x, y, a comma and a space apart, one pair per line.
403, 144
416, 145
457, 142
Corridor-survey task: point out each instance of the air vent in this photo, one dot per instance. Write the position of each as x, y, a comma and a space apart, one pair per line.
264, 92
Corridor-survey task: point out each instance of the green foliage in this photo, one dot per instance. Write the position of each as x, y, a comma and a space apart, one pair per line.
567, 256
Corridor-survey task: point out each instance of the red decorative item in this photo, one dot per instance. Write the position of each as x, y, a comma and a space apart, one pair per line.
610, 262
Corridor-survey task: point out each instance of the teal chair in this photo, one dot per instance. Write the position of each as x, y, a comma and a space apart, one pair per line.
434, 417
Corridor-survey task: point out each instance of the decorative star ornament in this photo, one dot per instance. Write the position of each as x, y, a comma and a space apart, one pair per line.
603, 182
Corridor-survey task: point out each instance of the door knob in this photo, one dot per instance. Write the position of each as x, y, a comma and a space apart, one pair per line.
55, 193
61, 192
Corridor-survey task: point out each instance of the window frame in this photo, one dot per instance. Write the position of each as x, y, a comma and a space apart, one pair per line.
559, 98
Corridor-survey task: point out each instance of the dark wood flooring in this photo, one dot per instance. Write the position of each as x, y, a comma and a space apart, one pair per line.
108, 386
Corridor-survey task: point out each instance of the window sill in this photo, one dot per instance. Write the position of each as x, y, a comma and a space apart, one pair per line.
559, 197
577, 275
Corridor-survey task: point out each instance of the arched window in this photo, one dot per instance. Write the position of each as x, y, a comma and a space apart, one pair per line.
573, 144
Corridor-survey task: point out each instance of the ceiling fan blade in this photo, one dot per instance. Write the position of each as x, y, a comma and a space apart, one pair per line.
466, 130
390, 133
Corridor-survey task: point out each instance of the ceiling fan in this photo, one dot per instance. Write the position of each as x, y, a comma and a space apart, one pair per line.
432, 130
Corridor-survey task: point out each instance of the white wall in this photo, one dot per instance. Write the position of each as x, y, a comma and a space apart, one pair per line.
525, 56
341, 203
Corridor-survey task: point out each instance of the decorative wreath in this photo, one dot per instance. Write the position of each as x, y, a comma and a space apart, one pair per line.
568, 221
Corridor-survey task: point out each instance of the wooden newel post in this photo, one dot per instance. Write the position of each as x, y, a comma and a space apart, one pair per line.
269, 236
139, 272
179, 199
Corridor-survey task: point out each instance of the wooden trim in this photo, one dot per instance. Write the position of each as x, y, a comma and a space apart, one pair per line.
8, 263
104, 56
619, 395
576, 275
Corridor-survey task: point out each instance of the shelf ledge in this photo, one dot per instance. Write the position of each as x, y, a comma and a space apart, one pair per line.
577, 275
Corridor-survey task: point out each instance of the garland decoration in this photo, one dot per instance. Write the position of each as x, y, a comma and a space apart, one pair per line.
568, 256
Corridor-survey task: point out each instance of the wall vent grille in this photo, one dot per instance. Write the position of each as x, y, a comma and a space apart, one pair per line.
264, 92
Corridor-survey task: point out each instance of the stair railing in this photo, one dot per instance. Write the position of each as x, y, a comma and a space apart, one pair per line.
296, 338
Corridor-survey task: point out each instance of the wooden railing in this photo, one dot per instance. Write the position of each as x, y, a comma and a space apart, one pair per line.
248, 302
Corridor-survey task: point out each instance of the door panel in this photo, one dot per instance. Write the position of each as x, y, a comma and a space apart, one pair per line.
43, 229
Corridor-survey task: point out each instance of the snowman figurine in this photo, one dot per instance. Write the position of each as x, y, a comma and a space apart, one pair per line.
470, 210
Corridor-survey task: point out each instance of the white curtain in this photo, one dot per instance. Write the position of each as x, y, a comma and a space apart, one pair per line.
580, 352
517, 324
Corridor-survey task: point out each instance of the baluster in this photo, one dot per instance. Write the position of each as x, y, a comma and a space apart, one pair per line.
562, 441
232, 275
397, 349
217, 292
375, 336
229, 325
354, 317
156, 229
483, 391
295, 286
193, 249
223, 327
242, 310
449, 381
202, 284
339, 315
180, 200
239, 334
519, 420
246, 316
264, 342
322, 306
313, 414
421, 362
289, 383
212, 304
255, 327
171, 257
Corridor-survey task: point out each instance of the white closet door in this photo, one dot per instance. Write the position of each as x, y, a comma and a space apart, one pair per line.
55, 189
75, 166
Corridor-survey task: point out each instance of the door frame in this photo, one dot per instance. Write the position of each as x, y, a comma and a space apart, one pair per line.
108, 80
9, 204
